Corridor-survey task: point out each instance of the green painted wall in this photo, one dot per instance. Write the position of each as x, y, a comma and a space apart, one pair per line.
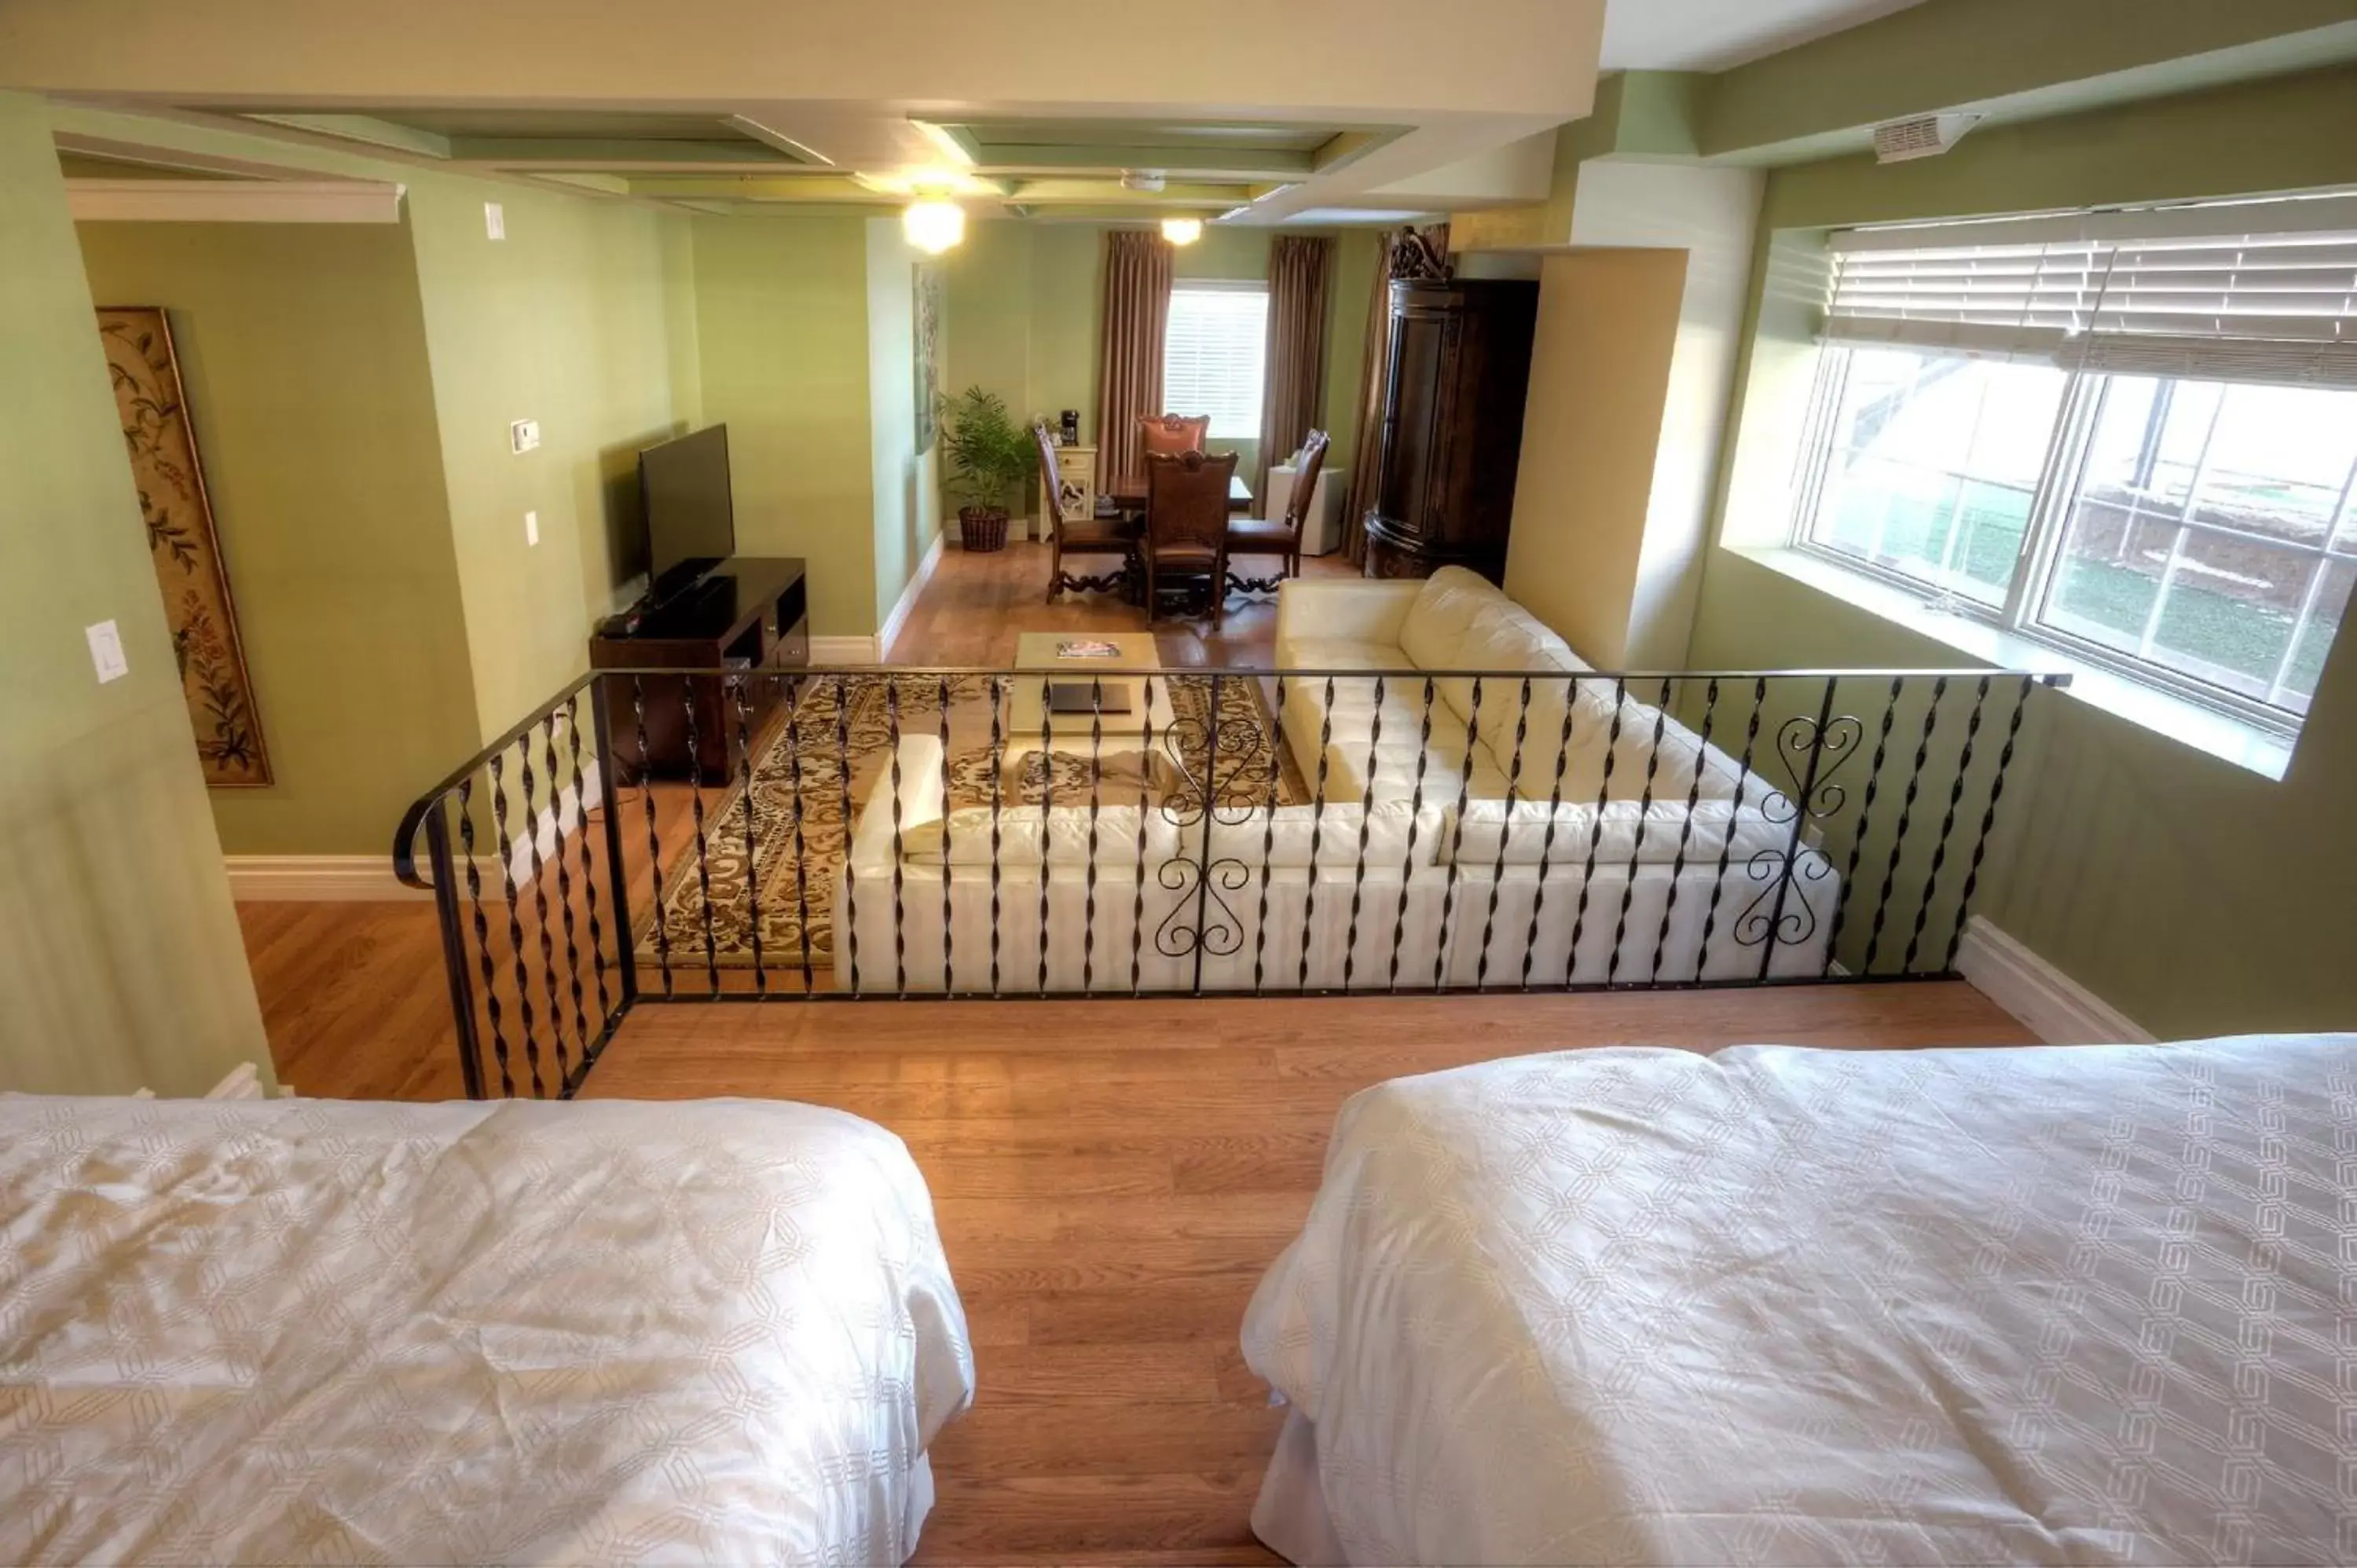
2292, 133
907, 482
2194, 896
1950, 52
582, 319
120, 960
781, 330
567, 321
302, 350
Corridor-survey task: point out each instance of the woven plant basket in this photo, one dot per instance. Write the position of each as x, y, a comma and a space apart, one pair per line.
982, 528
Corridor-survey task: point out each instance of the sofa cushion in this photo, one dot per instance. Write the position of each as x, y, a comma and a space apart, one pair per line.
1349, 720
968, 835
1395, 777
1283, 838
1670, 833
1444, 607
1339, 653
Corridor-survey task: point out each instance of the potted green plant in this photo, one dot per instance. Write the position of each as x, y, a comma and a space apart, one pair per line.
990, 461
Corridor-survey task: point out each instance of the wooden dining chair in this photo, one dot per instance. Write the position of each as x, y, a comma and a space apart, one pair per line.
1169, 434
1280, 536
1187, 524
1090, 536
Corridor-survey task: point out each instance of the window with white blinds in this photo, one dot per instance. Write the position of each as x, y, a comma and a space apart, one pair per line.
2141, 294
1214, 355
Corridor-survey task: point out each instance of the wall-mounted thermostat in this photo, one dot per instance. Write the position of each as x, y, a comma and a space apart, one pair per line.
523, 434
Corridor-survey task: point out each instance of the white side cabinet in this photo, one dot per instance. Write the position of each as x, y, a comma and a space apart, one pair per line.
1078, 465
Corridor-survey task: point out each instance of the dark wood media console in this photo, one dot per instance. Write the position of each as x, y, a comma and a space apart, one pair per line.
749, 612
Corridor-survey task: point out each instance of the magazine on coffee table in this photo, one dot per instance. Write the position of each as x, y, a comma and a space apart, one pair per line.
1088, 648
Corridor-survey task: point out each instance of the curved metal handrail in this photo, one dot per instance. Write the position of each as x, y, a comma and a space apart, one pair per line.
405, 837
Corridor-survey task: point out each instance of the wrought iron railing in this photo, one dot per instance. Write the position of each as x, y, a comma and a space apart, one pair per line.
751, 835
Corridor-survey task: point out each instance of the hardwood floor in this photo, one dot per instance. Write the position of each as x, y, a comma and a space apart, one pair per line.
976, 606
1111, 1178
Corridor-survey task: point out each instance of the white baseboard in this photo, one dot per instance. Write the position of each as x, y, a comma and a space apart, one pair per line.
369, 878
2056, 1008
314, 878
826, 652
890, 629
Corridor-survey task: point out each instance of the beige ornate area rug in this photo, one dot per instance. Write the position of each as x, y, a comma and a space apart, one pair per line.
798, 798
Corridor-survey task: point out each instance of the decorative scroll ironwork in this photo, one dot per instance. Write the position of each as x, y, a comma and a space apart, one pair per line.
1299, 812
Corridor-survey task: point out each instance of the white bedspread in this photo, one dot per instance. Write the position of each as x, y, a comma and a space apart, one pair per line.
312, 1331
1778, 1305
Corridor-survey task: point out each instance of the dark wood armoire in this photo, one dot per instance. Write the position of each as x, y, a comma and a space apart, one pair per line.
1452, 425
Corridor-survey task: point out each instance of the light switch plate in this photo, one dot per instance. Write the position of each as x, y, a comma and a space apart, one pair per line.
106, 651
495, 220
532, 528
524, 436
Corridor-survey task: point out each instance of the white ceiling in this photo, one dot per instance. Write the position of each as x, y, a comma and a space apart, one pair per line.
1714, 34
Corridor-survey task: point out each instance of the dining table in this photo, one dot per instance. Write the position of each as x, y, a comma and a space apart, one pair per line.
1129, 496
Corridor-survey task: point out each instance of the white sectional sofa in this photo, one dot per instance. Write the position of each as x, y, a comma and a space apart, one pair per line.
1484, 860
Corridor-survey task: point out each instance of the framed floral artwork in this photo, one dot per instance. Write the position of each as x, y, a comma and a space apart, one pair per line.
928, 344
187, 555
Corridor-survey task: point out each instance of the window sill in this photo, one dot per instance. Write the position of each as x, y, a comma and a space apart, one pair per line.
2229, 740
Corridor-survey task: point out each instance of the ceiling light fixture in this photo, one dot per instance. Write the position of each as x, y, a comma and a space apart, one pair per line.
934, 226
1182, 231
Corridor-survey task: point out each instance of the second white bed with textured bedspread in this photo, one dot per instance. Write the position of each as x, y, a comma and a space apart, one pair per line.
308, 1331
1778, 1305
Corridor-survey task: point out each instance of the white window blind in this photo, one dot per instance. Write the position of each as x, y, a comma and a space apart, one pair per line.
1214, 355
2276, 307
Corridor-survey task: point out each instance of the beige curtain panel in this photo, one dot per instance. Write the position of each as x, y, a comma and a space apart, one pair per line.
1301, 269
1137, 313
1374, 373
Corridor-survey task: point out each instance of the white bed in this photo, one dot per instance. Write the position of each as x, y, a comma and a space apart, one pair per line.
1636, 1306
313, 1331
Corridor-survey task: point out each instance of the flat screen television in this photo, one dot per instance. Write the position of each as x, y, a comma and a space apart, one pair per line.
684, 498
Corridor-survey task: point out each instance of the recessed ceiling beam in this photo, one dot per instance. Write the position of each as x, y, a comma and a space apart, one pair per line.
744, 124
1189, 158
954, 143
232, 201
363, 128
824, 187
115, 150
1346, 147
606, 153
1176, 193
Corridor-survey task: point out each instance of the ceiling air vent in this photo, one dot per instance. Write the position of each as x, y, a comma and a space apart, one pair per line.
1921, 136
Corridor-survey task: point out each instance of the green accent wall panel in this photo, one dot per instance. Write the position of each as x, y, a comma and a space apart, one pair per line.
781, 330
301, 347
121, 966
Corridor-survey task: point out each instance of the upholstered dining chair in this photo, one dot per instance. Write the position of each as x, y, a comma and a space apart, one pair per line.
1168, 434
1280, 536
1090, 536
1187, 524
